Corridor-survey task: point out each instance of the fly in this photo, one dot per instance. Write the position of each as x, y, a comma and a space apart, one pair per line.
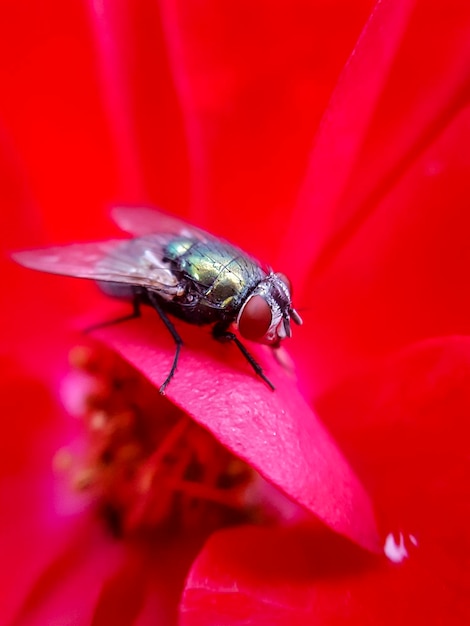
181, 271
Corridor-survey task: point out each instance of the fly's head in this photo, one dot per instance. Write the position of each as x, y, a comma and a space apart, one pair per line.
266, 314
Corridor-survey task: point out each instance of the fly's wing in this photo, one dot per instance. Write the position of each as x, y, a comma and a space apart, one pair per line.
140, 221
80, 259
136, 262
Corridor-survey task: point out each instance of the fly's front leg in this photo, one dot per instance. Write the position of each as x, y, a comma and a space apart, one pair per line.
221, 333
173, 332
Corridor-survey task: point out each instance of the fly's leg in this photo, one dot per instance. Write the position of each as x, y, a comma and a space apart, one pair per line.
173, 332
221, 333
125, 318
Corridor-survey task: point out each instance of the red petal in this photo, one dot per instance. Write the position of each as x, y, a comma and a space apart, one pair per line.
67, 588
410, 441
321, 212
139, 89
408, 427
404, 276
166, 565
32, 533
122, 594
276, 432
269, 576
51, 110
397, 95
253, 80
394, 214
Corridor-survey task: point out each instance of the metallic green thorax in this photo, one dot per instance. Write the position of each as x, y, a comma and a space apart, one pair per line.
218, 276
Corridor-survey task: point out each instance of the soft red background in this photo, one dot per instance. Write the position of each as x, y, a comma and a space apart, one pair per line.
350, 173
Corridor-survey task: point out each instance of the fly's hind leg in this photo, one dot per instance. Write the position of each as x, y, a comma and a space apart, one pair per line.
173, 332
125, 318
221, 333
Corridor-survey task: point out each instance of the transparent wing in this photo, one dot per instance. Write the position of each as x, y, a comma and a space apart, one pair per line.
140, 221
80, 259
137, 262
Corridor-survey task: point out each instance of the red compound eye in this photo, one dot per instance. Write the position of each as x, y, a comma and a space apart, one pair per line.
285, 280
255, 319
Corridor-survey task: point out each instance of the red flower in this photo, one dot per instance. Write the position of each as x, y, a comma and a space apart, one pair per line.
216, 109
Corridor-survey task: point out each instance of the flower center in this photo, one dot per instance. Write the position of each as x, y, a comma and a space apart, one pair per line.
146, 463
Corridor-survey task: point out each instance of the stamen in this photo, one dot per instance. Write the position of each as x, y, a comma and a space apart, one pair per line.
226, 497
168, 444
147, 463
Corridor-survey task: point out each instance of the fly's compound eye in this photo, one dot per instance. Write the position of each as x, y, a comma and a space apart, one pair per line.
255, 318
285, 280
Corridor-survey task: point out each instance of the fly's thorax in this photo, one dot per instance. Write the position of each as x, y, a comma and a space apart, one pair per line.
177, 247
217, 274
266, 313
